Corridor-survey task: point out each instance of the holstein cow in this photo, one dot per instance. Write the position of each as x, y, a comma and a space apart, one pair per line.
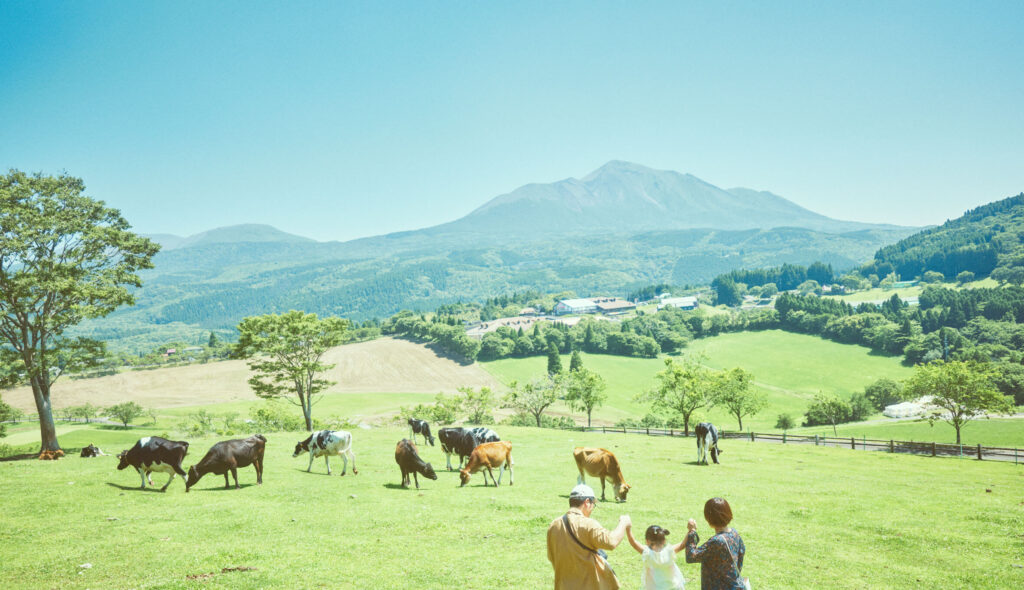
707, 441
488, 456
324, 443
601, 463
462, 441
409, 461
421, 427
92, 451
153, 453
229, 455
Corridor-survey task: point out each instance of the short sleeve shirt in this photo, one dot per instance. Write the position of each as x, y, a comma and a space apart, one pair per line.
575, 567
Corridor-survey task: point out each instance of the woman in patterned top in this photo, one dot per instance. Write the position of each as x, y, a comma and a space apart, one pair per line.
721, 557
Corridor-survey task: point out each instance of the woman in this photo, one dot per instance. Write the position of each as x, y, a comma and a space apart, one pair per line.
721, 557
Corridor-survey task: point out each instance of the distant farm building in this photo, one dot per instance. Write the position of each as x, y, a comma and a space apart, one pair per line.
567, 306
679, 302
530, 311
613, 305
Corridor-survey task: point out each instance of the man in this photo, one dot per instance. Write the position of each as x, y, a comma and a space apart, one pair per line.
574, 541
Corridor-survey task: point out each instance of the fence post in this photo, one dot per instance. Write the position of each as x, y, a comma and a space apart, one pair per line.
648, 431
815, 440
863, 442
933, 449
671, 431
783, 437
853, 443
892, 446
979, 451
751, 436
603, 430
961, 450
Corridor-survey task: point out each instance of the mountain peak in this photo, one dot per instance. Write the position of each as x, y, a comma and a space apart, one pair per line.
248, 232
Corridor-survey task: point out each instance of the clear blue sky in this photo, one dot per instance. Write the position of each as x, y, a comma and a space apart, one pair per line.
341, 120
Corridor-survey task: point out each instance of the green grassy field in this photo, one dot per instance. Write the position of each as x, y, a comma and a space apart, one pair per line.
994, 432
811, 517
789, 368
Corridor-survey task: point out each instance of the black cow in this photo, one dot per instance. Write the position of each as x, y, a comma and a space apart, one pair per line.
229, 455
421, 427
462, 441
153, 453
92, 451
707, 440
409, 462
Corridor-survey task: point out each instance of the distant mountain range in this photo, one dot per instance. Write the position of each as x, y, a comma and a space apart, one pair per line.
618, 228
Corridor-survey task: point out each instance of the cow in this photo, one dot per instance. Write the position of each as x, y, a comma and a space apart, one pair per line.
92, 451
462, 441
229, 455
421, 427
601, 463
707, 441
152, 453
487, 456
324, 443
409, 461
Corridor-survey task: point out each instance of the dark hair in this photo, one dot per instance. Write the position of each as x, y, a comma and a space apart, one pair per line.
655, 534
717, 512
578, 501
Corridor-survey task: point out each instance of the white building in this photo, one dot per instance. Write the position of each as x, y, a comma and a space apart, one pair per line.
679, 302
575, 306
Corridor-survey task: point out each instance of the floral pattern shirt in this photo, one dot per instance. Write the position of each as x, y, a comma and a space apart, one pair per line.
720, 558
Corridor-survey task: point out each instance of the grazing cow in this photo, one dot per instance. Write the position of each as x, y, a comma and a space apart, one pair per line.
229, 455
421, 427
487, 456
92, 451
324, 443
603, 464
462, 441
409, 461
707, 441
152, 453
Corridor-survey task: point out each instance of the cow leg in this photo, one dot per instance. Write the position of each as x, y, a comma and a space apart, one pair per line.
510, 482
311, 457
169, 480
143, 474
714, 454
327, 459
352, 455
602, 488
416, 477
448, 460
344, 463
259, 471
234, 474
227, 483
405, 476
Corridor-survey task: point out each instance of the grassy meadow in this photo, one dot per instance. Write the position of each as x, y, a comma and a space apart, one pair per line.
789, 368
811, 517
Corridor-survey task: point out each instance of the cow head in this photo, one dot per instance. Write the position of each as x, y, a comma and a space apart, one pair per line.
621, 490
428, 471
192, 479
464, 477
301, 447
122, 459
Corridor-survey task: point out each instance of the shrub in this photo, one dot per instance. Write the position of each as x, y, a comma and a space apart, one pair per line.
524, 419
275, 417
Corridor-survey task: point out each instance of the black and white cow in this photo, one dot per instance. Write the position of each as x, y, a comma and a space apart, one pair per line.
324, 443
421, 427
462, 441
92, 451
707, 441
153, 453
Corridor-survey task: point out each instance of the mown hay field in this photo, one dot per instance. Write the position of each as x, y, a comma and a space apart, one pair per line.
811, 517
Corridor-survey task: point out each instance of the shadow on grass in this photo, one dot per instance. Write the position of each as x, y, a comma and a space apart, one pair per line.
134, 488
220, 488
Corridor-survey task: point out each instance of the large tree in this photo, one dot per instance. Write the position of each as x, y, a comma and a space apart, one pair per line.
734, 391
585, 390
683, 388
64, 257
285, 352
962, 391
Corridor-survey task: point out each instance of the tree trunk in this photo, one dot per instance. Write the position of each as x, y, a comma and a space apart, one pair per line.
588, 418
47, 431
957, 426
740, 418
686, 425
537, 417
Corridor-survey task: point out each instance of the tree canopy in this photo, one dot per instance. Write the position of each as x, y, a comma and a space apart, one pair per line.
64, 257
285, 352
961, 391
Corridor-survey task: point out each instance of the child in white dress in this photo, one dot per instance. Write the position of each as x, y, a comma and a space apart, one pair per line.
660, 571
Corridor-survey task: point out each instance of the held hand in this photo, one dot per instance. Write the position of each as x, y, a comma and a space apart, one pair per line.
691, 525
625, 519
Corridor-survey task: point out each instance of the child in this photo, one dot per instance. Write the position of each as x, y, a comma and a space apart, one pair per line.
660, 570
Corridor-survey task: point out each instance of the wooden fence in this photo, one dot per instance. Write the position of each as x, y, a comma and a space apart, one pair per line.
932, 449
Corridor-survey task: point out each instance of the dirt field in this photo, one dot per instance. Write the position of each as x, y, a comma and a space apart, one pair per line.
382, 365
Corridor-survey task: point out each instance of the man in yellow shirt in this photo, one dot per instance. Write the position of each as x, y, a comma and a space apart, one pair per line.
574, 541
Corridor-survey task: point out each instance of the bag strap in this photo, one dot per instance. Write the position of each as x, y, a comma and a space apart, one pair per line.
565, 519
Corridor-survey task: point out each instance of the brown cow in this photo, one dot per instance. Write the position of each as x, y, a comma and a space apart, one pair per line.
488, 456
603, 464
229, 455
408, 459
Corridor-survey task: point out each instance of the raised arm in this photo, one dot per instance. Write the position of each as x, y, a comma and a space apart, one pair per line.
620, 531
632, 540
